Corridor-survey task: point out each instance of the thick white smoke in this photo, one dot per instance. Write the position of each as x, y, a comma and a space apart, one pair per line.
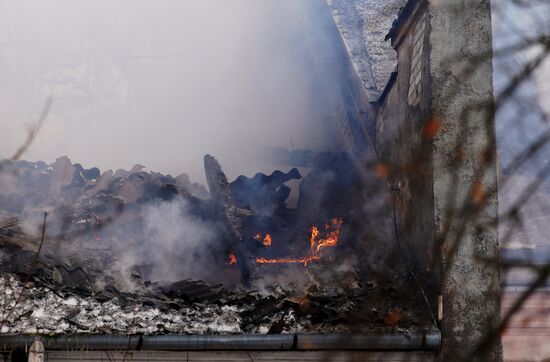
163, 83
177, 243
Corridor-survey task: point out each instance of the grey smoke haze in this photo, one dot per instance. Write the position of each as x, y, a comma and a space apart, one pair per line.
174, 243
161, 83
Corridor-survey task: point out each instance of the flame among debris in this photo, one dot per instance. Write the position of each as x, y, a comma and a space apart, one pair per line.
266, 240
332, 236
232, 259
314, 234
316, 244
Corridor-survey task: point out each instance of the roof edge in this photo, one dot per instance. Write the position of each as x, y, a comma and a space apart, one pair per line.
387, 88
404, 13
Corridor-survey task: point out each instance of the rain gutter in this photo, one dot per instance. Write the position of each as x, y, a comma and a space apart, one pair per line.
419, 340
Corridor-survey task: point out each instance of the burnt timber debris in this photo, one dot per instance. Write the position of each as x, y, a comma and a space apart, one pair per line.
221, 193
96, 219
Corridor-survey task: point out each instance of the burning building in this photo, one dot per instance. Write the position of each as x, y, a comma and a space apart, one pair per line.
339, 251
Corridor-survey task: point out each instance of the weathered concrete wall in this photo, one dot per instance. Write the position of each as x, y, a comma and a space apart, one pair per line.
465, 173
402, 147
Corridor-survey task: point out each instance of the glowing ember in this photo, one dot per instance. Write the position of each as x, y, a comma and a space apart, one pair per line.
331, 239
265, 240
305, 260
232, 259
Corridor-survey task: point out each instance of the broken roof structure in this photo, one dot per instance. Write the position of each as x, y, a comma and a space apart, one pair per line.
384, 117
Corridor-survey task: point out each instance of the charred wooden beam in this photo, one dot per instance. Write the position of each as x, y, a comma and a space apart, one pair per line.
221, 193
219, 188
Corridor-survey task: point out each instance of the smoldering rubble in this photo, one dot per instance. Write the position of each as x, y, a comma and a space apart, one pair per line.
47, 310
141, 252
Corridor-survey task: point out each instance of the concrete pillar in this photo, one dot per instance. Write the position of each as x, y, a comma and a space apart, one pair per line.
464, 175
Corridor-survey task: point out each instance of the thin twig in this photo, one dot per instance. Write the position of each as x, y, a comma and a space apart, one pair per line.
33, 131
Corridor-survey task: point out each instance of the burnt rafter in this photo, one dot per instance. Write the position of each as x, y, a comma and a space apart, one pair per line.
233, 216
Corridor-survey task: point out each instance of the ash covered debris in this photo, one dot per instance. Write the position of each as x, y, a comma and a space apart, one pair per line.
141, 252
91, 214
48, 310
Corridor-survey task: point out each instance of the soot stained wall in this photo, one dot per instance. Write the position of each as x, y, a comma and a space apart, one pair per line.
403, 148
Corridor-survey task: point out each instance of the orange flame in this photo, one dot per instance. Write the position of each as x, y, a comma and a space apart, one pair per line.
257, 236
267, 240
232, 259
333, 235
314, 234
